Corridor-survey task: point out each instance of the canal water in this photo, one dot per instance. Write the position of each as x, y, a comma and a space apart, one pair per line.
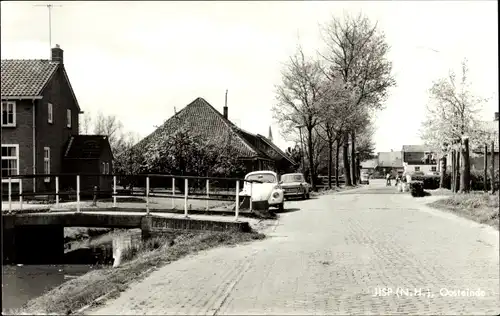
21, 283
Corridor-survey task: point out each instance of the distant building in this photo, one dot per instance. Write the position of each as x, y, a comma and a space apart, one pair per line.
390, 162
491, 129
420, 158
369, 165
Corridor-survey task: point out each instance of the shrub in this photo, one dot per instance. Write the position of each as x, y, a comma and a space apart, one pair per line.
417, 188
429, 182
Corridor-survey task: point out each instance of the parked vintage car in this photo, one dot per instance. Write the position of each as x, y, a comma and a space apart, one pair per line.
364, 178
295, 185
266, 188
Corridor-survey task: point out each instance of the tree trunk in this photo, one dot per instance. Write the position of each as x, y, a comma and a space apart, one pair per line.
492, 168
330, 161
452, 175
353, 158
443, 172
345, 153
465, 170
457, 170
337, 163
311, 158
486, 168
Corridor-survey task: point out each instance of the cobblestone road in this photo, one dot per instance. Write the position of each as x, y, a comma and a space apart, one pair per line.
334, 256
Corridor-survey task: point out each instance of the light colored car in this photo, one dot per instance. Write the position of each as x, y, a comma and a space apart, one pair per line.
365, 178
266, 188
295, 185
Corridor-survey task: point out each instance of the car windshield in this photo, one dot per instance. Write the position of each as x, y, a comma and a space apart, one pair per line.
262, 177
292, 178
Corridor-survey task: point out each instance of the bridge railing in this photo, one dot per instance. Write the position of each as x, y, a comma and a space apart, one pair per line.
157, 189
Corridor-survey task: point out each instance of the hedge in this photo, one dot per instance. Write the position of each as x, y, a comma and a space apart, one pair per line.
417, 188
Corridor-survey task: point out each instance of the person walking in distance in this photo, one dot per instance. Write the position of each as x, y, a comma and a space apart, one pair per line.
388, 179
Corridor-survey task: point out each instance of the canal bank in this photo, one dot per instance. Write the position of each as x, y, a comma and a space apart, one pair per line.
76, 293
86, 249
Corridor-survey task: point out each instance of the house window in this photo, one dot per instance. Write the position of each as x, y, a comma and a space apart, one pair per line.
433, 168
46, 162
10, 162
50, 113
68, 118
417, 168
105, 168
8, 113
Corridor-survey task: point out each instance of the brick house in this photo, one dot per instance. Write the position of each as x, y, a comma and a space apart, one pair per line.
88, 154
256, 151
39, 115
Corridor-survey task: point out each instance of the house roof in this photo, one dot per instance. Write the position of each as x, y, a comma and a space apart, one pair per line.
390, 159
202, 118
86, 146
26, 77
416, 148
29, 77
371, 163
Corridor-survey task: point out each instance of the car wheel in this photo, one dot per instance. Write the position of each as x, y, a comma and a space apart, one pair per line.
281, 207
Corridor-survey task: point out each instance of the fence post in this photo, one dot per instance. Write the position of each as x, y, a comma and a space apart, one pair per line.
21, 194
10, 194
78, 193
57, 191
114, 191
251, 192
186, 189
173, 193
147, 195
208, 191
237, 209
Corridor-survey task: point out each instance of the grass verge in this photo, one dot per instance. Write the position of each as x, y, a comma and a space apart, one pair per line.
82, 291
477, 206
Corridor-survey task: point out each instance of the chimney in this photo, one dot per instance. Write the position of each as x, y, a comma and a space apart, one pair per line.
496, 116
270, 134
225, 107
57, 54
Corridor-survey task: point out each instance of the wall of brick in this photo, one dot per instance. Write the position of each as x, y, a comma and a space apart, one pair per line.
54, 135
22, 135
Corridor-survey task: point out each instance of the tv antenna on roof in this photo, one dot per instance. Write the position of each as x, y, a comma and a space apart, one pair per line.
49, 6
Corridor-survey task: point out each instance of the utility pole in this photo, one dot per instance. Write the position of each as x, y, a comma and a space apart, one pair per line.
49, 6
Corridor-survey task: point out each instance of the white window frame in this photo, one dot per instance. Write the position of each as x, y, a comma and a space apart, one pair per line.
434, 167
46, 159
68, 118
16, 146
50, 113
417, 168
7, 103
105, 167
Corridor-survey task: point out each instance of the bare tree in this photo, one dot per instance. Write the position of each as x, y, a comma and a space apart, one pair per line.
337, 111
357, 53
451, 116
85, 123
299, 99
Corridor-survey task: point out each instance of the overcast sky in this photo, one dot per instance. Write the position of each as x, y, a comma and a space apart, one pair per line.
139, 60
